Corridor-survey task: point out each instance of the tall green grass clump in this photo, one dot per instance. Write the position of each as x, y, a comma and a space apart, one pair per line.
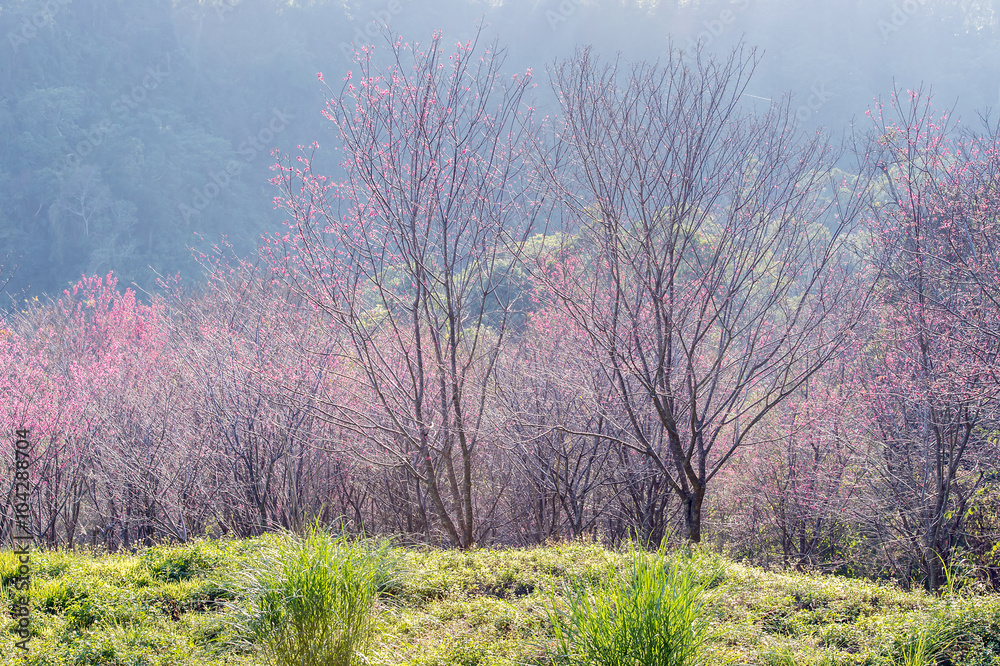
651, 611
310, 600
925, 646
930, 643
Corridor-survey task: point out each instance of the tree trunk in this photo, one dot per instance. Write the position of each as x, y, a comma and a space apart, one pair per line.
692, 513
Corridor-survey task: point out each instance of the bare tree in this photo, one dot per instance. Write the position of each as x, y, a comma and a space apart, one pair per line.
258, 397
712, 240
83, 198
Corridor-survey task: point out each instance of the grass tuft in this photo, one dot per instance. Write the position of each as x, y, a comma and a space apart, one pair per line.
310, 600
651, 612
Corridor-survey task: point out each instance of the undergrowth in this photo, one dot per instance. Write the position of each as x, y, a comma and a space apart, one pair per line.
233, 603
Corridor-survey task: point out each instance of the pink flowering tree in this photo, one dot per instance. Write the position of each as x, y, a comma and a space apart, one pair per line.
149, 455
800, 487
563, 449
411, 253
72, 363
27, 397
931, 366
274, 463
110, 355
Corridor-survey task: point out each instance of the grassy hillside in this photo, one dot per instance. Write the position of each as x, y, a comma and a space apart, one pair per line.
174, 606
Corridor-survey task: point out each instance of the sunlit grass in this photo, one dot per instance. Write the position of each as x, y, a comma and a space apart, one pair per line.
649, 611
187, 605
310, 601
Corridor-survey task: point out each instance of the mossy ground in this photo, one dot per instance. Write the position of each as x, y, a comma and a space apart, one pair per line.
169, 606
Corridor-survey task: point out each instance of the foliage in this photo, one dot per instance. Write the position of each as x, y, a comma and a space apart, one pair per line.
485, 607
179, 563
494, 607
651, 611
311, 599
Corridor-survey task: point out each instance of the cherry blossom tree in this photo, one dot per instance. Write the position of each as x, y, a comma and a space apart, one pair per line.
273, 463
25, 404
410, 255
932, 358
801, 486
70, 359
548, 387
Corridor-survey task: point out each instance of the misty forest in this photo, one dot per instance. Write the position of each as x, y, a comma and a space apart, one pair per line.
691, 298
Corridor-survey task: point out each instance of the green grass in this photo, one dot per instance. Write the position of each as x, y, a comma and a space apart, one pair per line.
310, 601
649, 611
188, 605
